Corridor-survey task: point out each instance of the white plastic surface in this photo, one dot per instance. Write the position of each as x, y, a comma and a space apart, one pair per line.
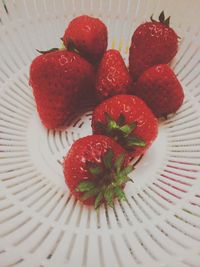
40, 223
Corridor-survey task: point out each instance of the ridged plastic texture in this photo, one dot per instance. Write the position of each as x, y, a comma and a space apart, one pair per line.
40, 223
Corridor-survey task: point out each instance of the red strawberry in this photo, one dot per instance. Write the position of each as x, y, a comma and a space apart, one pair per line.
112, 76
160, 89
127, 120
61, 80
88, 35
96, 170
152, 43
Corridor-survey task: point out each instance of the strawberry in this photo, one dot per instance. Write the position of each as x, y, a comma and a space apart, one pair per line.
112, 76
160, 89
88, 35
96, 170
127, 120
60, 81
152, 43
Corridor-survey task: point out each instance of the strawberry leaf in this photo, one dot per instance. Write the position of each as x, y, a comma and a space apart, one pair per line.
135, 141
121, 119
122, 177
127, 170
119, 193
128, 128
70, 46
167, 21
108, 158
85, 186
47, 51
119, 162
162, 17
98, 200
96, 171
94, 168
111, 124
91, 193
108, 195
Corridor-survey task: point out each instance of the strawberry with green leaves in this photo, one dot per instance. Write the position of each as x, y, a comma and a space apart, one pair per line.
127, 120
96, 170
153, 42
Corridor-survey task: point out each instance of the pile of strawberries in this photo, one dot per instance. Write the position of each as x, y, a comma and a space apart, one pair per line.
127, 101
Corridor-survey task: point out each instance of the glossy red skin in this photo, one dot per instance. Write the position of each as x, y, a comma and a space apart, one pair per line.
134, 110
90, 148
152, 43
89, 36
112, 76
61, 82
160, 89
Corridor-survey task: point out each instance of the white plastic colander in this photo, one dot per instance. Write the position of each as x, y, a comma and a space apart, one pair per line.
41, 224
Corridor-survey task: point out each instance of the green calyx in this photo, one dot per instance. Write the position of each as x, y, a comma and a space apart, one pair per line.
70, 46
109, 177
162, 19
120, 131
47, 51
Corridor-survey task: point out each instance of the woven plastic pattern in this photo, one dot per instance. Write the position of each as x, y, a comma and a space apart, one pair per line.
40, 223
